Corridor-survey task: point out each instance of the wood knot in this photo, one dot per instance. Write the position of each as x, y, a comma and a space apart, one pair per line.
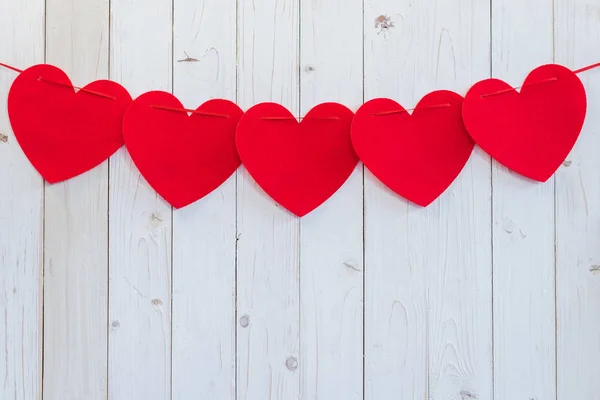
509, 225
466, 395
244, 321
384, 23
3, 138
157, 302
351, 265
155, 217
156, 220
188, 58
291, 363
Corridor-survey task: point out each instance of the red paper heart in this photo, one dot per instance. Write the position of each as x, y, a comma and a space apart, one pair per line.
300, 165
417, 156
531, 132
64, 133
182, 157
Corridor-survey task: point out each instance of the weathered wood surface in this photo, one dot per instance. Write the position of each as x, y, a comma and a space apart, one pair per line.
492, 292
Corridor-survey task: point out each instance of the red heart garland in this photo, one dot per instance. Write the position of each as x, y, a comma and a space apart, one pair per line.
417, 156
531, 132
182, 157
64, 133
300, 165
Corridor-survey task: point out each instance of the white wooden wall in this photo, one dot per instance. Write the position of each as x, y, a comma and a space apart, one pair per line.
492, 292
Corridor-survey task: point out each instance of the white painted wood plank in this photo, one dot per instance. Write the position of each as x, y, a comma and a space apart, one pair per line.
331, 237
577, 33
523, 224
268, 245
140, 225
428, 270
395, 290
458, 251
76, 224
204, 233
21, 217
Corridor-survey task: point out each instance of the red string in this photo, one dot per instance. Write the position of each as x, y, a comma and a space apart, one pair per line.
577, 71
76, 87
518, 87
204, 113
60, 83
11, 67
301, 118
580, 70
410, 109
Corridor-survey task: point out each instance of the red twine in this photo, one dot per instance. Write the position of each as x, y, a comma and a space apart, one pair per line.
578, 71
59, 83
301, 118
203, 113
391, 112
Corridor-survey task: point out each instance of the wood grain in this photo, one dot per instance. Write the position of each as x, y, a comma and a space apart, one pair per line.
523, 225
428, 270
204, 234
76, 223
395, 290
21, 218
331, 237
140, 231
577, 33
492, 292
268, 299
